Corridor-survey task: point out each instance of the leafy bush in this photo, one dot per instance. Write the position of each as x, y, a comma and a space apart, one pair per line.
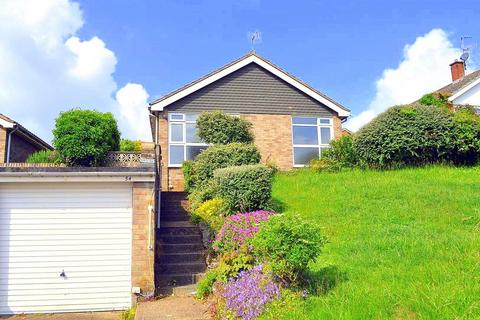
130, 145
244, 188
84, 137
198, 196
434, 99
212, 212
467, 136
44, 156
232, 263
406, 135
325, 165
342, 151
246, 296
205, 285
238, 228
188, 175
221, 156
288, 244
217, 127
129, 314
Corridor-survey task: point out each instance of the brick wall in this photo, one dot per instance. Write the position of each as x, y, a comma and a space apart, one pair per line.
273, 137
143, 258
3, 144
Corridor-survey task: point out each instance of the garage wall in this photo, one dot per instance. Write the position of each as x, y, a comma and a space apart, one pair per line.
83, 229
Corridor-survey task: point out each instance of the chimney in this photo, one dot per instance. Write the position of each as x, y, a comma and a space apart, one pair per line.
458, 69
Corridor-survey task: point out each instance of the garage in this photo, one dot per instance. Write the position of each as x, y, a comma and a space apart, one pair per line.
66, 241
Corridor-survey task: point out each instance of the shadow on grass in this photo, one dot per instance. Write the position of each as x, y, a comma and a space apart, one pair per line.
322, 281
277, 205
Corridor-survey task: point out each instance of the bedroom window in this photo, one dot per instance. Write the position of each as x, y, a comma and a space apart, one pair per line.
310, 136
183, 142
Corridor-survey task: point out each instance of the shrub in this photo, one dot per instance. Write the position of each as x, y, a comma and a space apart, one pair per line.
212, 212
467, 136
217, 127
129, 314
325, 165
288, 244
44, 156
246, 296
188, 175
232, 263
198, 196
342, 151
244, 188
221, 156
406, 135
205, 285
238, 228
84, 137
434, 99
130, 145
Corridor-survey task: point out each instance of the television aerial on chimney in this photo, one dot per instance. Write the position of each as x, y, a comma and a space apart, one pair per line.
465, 50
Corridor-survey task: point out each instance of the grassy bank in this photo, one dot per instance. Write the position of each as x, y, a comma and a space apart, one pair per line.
403, 244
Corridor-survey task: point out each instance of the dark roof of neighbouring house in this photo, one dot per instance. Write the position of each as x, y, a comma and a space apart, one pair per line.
237, 61
459, 84
27, 134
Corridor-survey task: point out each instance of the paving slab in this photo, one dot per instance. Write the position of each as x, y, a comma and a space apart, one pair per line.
173, 308
67, 316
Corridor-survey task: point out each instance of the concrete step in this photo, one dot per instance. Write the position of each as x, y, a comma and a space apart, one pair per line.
177, 224
181, 268
176, 231
180, 248
174, 217
181, 257
180, 239
178, 279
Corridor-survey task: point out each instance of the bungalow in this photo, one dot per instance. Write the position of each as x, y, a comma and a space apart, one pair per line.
16, 142
292, 121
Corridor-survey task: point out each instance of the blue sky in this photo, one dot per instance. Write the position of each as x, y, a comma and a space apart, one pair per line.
339, 47
117, 55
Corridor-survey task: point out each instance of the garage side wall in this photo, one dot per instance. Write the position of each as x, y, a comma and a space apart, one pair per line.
143, 258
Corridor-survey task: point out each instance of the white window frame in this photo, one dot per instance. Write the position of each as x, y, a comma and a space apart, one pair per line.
319, 145
184, 142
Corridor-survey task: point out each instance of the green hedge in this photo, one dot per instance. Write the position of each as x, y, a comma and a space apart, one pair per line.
244, 188
221, 156
216, 127
407, 135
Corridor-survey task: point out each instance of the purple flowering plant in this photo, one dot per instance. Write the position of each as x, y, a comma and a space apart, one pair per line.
238, 228
245, 297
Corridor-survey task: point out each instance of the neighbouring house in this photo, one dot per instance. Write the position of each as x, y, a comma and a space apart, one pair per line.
16, 142
464, 88
292, 122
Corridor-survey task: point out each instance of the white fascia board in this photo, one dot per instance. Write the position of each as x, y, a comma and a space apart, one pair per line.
159, 106
77, 177
464, 90
6, 124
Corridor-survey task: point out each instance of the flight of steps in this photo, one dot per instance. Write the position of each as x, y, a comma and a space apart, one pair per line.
180, 258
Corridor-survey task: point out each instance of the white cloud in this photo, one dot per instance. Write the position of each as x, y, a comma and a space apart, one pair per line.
46, 68
424, 68
132, 99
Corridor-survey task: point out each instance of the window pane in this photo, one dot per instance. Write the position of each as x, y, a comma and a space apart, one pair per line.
191, 117
325, 121
176, 154
192, 133
304, 155
176, 132
297, 120
325, 135
176, 117
193, 151
305, 135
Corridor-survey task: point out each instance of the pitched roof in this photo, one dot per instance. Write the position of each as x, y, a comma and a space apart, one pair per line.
9, 123
252, 57
459, 84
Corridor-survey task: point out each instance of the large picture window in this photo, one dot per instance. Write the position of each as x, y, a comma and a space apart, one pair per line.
183, 142
310, 136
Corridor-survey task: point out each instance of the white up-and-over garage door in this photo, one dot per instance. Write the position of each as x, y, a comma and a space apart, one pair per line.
65, 247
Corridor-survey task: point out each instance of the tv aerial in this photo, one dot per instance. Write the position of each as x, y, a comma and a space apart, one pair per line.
254, 37
465, 49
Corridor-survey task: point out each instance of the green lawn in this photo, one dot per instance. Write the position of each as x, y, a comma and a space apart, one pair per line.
402, 244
